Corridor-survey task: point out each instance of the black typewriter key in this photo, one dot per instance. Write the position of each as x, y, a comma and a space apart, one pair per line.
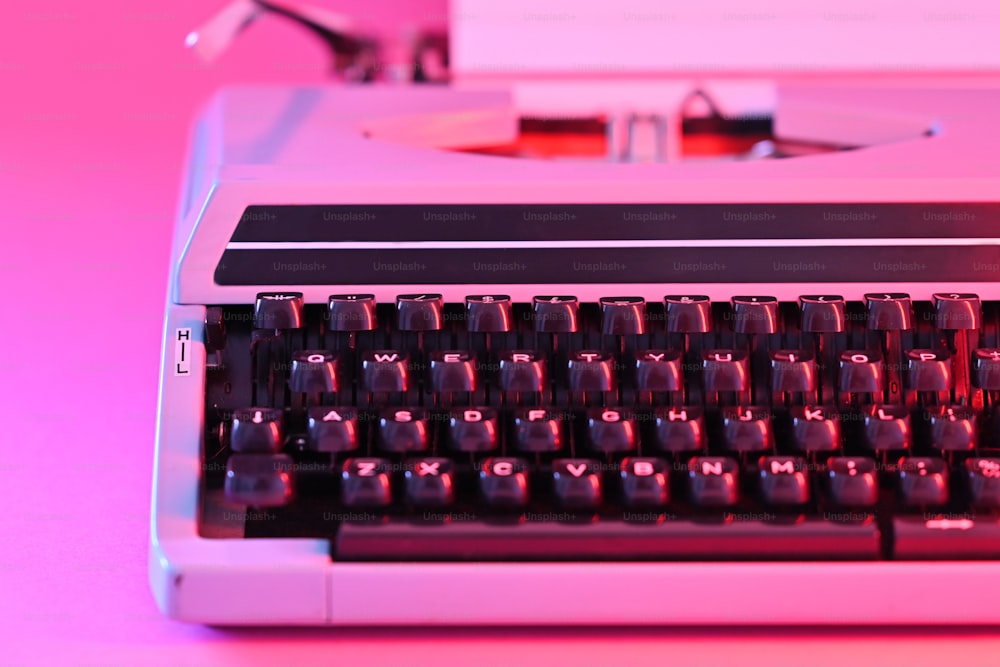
784, 480
522, 371
822, 313
623, 315
659, 370
747, 429
954, 428
385, 370
888, 428
861, 372
725, 370
215, 329
591, 370
929, 370
793, 371
538, 430
611, 430
923, 481
576, 483
403, 430
259, 480
957, 311
366, 482
313, 371
983, 481
815, 428
645, 482
430, 482
257, 430
352, 312
488, 313
473, 429
987, 368
852, 481
333, 429
556, 314
278, 310
453, 371
713, 481
503, 482
689, 314
755, 314
680, 429
419, 312
889, 312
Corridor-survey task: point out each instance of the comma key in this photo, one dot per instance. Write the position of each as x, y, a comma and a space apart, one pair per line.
983, 482
852, 481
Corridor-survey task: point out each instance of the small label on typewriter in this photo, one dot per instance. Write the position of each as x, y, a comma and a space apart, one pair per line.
182, 352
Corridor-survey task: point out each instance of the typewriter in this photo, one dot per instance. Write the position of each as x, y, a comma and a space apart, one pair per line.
622, 343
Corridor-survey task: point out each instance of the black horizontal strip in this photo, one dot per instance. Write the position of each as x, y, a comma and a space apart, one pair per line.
435, 266
537, 222
607, 540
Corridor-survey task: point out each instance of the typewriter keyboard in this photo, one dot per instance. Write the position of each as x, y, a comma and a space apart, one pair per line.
621, 429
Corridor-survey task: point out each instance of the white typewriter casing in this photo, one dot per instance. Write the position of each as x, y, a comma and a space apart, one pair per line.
380, 145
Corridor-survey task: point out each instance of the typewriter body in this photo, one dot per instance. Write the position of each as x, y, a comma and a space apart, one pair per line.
410, 376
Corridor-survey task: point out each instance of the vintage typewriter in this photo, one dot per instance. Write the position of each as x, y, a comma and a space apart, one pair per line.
614, 344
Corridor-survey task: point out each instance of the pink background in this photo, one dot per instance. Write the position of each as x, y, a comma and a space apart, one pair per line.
95, 105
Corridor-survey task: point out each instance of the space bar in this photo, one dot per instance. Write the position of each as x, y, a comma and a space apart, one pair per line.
404, 540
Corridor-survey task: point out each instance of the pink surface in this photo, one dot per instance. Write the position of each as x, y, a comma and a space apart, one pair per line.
96, 104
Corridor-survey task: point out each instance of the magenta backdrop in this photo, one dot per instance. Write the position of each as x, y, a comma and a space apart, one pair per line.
95, 105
